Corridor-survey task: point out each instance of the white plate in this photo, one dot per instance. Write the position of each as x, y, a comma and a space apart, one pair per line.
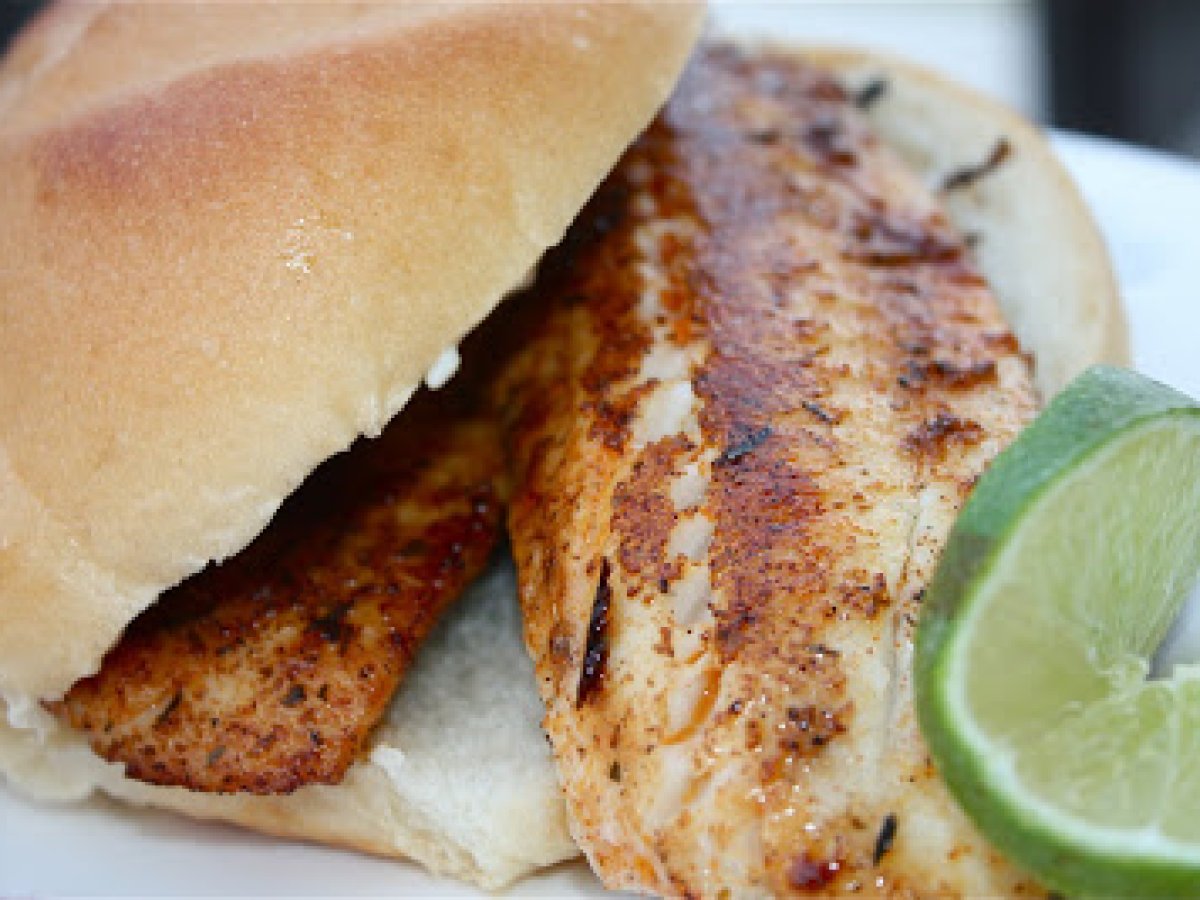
1146, 206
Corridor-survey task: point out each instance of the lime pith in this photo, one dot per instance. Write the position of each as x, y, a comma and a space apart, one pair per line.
1063, 573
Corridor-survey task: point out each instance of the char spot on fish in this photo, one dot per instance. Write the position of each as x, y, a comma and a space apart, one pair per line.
808, 874
823, 650
172, 705
933, 435
611, 419
968, 175
826, 138
731, 631
665, 645
1002, 341
195, 642
331, 626
868, 596
808, 729
885, 839
764, 135
295, 695
595, 657
881, 239
415, 547
947, 372
560, 646
609, 220
822, 414
871, 92
747, 445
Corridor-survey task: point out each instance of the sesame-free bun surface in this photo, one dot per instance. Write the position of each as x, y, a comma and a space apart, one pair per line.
237, 236
1032, 232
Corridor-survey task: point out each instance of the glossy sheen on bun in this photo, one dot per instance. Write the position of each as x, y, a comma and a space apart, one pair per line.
238, 239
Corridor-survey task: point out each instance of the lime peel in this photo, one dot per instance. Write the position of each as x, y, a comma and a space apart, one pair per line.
1019, 649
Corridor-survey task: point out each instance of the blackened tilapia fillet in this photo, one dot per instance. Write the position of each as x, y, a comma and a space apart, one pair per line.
765, 372
268, 672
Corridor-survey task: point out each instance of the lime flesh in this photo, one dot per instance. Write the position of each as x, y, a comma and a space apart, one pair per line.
1061, 578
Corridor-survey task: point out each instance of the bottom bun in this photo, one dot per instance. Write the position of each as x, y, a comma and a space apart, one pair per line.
459, 776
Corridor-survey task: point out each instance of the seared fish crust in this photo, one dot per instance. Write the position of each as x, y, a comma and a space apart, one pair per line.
268, 671
765, 376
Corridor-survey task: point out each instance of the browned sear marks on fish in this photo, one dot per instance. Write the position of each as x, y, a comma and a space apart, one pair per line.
268, 671
932, 437
595, 655
806, 368
644, 515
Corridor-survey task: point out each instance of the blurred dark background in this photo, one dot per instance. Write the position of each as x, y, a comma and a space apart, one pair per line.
12, 14
1128, 69
1125, 68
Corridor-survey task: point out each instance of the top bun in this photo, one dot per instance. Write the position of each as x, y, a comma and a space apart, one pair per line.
236, 239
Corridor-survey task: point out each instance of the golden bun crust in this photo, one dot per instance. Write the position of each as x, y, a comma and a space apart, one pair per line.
237, 240
1034, 236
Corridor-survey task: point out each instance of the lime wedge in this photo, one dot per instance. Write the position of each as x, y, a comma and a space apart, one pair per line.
1062, 575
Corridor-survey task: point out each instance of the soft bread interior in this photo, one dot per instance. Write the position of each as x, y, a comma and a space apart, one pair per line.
459, 779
